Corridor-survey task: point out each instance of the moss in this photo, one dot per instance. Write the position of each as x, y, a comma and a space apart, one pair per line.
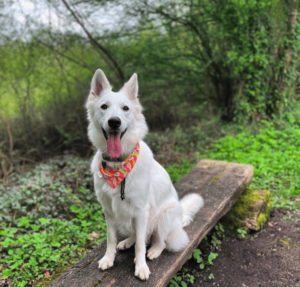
100, 281
240, 209
263, 217
261, 220
218, 176
57, 272
244, 208
268, 197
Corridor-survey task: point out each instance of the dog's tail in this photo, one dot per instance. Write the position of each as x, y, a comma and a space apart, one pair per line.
191, 204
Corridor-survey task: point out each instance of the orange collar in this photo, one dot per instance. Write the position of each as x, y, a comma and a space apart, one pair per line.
116, 175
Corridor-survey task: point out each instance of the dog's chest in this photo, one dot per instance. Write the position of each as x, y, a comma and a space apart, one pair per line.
120, 208
123, 208
124, 213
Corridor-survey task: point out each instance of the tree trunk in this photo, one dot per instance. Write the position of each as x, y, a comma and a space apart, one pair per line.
293, 15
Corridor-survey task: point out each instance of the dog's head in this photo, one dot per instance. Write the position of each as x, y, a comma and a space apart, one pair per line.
116, 120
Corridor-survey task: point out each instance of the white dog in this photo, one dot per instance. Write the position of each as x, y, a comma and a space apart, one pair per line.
150, 211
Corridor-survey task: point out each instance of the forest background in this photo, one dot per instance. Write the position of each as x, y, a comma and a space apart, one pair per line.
217, 79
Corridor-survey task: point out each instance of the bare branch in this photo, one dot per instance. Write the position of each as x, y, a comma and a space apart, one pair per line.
110, 59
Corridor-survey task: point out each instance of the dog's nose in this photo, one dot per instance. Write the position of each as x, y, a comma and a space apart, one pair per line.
114, 123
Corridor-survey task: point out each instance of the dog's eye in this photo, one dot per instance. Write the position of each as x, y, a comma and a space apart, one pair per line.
104, 107
125, 108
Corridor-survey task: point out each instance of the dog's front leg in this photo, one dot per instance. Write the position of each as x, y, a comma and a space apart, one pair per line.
141, 220
108, 260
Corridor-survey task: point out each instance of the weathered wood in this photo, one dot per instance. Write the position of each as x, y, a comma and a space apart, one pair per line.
219, 183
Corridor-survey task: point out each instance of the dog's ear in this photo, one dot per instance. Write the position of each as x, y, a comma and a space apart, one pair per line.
132, 87
99, 83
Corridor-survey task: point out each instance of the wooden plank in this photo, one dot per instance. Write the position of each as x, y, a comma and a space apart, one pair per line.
219, 183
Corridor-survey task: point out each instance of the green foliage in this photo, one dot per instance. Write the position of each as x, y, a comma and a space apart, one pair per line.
197, 255
242, 232
183, 280
179, 140
212, 256
273, 151
203, 260
177, 171
233, 58
49, 218
242, 55
42, 98
211, 276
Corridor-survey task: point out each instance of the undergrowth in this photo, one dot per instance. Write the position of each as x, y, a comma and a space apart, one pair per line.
49, 219
203, 256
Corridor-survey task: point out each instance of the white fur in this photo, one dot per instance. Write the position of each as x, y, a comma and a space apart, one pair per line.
151, 210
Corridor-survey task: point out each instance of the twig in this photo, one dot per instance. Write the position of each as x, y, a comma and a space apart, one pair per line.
269, 243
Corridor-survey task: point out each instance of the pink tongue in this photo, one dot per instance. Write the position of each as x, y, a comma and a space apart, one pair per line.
114, 145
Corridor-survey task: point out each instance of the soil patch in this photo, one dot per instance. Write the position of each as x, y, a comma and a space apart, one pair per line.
270, 257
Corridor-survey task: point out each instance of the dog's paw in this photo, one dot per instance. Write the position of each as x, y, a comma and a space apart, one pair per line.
125, 244
155, 251
186, 221
142, 271
105, 263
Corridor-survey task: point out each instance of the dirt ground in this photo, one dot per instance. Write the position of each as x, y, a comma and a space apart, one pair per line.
270, 258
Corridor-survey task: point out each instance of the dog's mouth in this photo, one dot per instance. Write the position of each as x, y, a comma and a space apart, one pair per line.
113, 140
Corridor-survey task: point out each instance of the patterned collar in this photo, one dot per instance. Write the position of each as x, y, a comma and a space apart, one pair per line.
116, 175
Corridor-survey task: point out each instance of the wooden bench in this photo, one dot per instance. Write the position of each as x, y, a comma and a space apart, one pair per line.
219, 183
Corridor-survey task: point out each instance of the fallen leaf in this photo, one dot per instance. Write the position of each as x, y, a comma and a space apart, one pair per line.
284, 242
95, 234
270, 224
